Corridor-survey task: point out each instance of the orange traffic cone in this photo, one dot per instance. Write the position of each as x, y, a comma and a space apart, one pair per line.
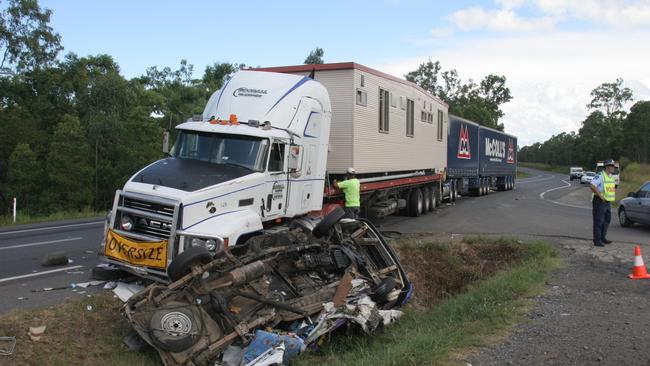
639, 270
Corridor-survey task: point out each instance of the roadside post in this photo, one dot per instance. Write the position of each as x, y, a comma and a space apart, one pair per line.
14, 210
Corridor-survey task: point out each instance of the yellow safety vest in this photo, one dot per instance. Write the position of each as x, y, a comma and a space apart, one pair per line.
609, 185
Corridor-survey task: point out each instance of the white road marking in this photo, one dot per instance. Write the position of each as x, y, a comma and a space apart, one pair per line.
39, 243
51, 228
38, 273
541, 195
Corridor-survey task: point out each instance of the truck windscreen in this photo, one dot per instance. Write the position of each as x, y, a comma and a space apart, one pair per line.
245, 151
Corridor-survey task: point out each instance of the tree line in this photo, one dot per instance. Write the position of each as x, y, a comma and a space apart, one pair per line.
73, 129
608, 131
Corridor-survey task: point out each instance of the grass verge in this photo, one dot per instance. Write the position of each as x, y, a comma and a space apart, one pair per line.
521, 174
561, 169
57, 216
435, 335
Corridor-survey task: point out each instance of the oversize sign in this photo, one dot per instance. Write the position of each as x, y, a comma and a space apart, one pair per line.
151, 254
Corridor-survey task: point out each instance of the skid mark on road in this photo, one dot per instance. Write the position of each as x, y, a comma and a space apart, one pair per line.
567, 185
39, 243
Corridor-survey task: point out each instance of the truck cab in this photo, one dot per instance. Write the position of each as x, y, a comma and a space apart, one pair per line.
256, 155
575, 172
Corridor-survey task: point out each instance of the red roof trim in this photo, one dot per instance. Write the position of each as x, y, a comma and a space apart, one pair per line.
346, 66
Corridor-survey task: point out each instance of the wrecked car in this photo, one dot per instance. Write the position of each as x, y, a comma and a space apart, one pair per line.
270, 298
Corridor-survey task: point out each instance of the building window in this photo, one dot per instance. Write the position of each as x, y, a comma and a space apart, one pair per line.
363, 81
410, 118
362, 97
440, 115
393, 100
384, 97
423, 116
430, 118
402, 103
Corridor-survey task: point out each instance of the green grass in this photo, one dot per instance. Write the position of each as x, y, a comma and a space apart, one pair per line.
63, 215
562, 169
435, 336
521, 174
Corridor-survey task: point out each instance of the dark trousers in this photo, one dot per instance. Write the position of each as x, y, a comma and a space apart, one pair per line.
352, 212
602, 212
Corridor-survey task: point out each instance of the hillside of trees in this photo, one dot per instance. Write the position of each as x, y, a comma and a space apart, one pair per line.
609, 131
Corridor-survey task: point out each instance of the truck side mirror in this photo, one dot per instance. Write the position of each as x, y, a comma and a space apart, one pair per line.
295, 158
165, 146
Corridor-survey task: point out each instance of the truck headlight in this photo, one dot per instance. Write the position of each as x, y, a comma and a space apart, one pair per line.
211, 245
126, 223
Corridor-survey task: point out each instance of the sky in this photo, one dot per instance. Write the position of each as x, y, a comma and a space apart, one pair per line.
553, 53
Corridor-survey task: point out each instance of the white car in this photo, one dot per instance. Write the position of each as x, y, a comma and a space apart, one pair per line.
587, 177
575, 172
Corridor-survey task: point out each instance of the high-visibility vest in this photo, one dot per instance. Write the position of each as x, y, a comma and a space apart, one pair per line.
609, 187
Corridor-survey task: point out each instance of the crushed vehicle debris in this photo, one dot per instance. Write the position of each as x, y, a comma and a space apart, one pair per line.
272, 297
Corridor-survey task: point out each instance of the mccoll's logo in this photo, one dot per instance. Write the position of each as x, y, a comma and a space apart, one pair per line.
248, 92
463, 144
495, 148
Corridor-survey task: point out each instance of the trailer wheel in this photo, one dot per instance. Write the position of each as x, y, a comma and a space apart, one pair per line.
487, 186
324, 226
454, 191
481, 187
415, 202
183, 264
426, 199
435, 199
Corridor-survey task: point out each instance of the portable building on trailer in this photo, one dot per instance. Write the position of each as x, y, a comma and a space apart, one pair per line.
391, 131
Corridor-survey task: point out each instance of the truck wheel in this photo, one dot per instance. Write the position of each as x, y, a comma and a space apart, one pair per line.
324, 226
434, 199
481, 189
426, 200
415, 202
452, 194
487, 186
183, 264
175, 329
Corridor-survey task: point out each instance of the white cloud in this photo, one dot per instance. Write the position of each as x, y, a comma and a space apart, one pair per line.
499, 20
550, 75
510, 4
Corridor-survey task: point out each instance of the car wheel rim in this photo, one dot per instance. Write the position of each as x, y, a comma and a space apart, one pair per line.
176, 323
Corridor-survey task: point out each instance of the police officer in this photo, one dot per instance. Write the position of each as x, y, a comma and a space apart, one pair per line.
603, 187
351, 188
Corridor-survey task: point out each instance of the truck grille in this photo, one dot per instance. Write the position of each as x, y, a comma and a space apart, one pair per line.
152, 217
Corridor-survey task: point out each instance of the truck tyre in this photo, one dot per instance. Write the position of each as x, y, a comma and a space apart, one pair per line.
623, 219
426, 193
452, 193
175, 329
183, 264
434, 199
324, 226
481, 189
108, 273
416, 202
487, 186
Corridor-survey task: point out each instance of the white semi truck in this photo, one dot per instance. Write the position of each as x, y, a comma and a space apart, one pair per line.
261, 153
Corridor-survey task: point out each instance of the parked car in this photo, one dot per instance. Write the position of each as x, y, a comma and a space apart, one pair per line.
635, 207
575, 172
587, 177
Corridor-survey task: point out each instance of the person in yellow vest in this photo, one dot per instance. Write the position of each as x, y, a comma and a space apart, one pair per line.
603, 187
352, 190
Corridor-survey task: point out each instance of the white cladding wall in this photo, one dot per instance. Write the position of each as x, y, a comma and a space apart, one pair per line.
339, 86
355, 140
376, 151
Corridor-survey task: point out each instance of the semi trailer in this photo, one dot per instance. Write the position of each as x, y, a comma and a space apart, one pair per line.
265, 151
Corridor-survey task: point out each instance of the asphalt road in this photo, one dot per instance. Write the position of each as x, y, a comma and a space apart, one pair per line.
544, 205
23, 247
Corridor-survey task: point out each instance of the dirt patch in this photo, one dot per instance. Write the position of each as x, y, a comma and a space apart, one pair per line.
80, 332
440, 269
